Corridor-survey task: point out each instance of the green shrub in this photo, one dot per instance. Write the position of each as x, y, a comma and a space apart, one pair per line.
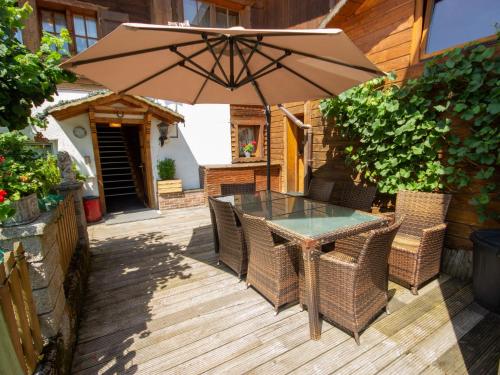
413, 137
166, 169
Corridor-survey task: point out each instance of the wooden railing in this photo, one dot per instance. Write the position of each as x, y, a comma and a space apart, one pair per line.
67, 231
19, 313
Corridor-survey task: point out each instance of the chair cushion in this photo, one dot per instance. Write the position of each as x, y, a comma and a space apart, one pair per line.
406, 242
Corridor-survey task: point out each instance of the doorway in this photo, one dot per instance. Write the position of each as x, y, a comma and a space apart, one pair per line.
122, 167
294, 156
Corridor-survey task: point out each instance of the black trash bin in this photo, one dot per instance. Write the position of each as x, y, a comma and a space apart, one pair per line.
486, 276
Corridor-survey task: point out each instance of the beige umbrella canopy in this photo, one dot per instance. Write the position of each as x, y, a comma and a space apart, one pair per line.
232, 66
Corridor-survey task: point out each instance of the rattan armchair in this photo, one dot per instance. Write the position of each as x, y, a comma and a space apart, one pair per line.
272, 267
214, 224
353, 279
232, 246
355, 196
416, 251
320, 189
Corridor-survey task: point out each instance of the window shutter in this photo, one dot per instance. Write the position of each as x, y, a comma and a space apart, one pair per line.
110, 20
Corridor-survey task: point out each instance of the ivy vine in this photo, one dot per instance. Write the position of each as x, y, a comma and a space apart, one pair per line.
440, 131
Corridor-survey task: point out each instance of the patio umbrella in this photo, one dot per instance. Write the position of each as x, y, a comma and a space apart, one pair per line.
226, 66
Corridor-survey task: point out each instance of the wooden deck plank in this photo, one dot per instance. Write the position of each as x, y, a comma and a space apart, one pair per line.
158, 304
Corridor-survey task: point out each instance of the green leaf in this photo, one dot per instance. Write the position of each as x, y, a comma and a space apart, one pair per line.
494, 108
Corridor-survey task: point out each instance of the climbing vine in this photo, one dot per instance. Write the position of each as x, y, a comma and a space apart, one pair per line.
440, 131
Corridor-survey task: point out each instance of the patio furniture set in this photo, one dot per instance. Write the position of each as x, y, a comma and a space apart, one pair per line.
326, 251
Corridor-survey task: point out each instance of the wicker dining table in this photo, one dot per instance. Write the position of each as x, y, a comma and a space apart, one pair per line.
310, 224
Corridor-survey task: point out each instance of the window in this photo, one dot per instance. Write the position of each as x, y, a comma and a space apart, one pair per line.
85, 32
455, 22
200, 13
249, 141
82, 27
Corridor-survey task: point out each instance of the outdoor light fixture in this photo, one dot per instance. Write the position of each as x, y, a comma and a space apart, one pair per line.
115, 125
163, 129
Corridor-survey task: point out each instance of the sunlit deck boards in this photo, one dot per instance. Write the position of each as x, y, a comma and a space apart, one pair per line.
158, 303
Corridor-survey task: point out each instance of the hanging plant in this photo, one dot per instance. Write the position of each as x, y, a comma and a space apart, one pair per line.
437, 132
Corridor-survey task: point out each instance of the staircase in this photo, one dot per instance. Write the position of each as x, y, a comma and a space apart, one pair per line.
115, 167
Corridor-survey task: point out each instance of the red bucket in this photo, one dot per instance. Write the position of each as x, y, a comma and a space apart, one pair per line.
92, 207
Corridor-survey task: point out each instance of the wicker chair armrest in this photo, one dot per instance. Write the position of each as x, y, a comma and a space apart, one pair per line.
388, 215
352, 242
433, 237
287, 246
348, 266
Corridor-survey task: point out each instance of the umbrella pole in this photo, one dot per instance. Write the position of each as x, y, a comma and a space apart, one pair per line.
268, 146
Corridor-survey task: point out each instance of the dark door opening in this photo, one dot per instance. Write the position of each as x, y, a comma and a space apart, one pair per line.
121, 167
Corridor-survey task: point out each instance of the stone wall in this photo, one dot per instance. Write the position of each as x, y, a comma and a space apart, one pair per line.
57, 296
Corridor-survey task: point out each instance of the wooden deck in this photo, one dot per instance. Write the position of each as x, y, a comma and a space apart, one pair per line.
158, 303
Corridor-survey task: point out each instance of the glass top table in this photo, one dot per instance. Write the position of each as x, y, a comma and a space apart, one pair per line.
310, 224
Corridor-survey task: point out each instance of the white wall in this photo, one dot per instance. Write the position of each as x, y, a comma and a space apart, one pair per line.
205, 138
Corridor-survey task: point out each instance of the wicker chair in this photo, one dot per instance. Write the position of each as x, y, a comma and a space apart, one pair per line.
272, 267
416, 251
353, 279
355, 196
214, 224
320, 189
232, 247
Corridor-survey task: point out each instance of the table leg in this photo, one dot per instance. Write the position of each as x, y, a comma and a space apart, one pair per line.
311, 287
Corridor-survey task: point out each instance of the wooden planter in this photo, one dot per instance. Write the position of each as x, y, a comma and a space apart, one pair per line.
169, 186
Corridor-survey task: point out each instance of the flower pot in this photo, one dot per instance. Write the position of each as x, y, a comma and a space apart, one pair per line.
247, 154
27, 210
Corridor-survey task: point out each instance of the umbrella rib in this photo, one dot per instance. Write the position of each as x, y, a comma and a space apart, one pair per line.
217, 59
252, 78
138, 52
311, 82
189, 60
250, 55
164, 70
322, 58
213, 67
262, 71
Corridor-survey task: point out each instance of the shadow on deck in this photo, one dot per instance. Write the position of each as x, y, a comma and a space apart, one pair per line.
158, 303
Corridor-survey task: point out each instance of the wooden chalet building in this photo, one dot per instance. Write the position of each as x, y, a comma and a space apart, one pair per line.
396, 35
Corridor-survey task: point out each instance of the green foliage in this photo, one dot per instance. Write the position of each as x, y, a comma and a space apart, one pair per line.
437, 132
78, 173
27, 79
23, 172
166, 169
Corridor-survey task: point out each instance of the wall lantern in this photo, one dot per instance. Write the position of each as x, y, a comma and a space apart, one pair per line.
163, 129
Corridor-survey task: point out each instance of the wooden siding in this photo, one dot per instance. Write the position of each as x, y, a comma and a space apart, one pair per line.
157, 303
289, 14
138, 10
384, 31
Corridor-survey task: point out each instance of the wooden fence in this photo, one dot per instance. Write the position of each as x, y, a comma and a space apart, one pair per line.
19, 312
67, 231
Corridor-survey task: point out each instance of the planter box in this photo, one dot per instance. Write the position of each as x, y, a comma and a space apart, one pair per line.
27, 210
169, 186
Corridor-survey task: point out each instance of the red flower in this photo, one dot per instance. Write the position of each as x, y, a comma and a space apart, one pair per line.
254, 143
2, 159
3, 194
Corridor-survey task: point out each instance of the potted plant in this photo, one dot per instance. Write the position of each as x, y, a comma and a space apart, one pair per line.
25, 177
168, 183
249, 148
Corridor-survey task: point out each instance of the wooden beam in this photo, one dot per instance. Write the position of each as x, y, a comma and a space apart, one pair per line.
31, 32
416, 36
97, 160
116, 110
146, 159
161, 11
122, 120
